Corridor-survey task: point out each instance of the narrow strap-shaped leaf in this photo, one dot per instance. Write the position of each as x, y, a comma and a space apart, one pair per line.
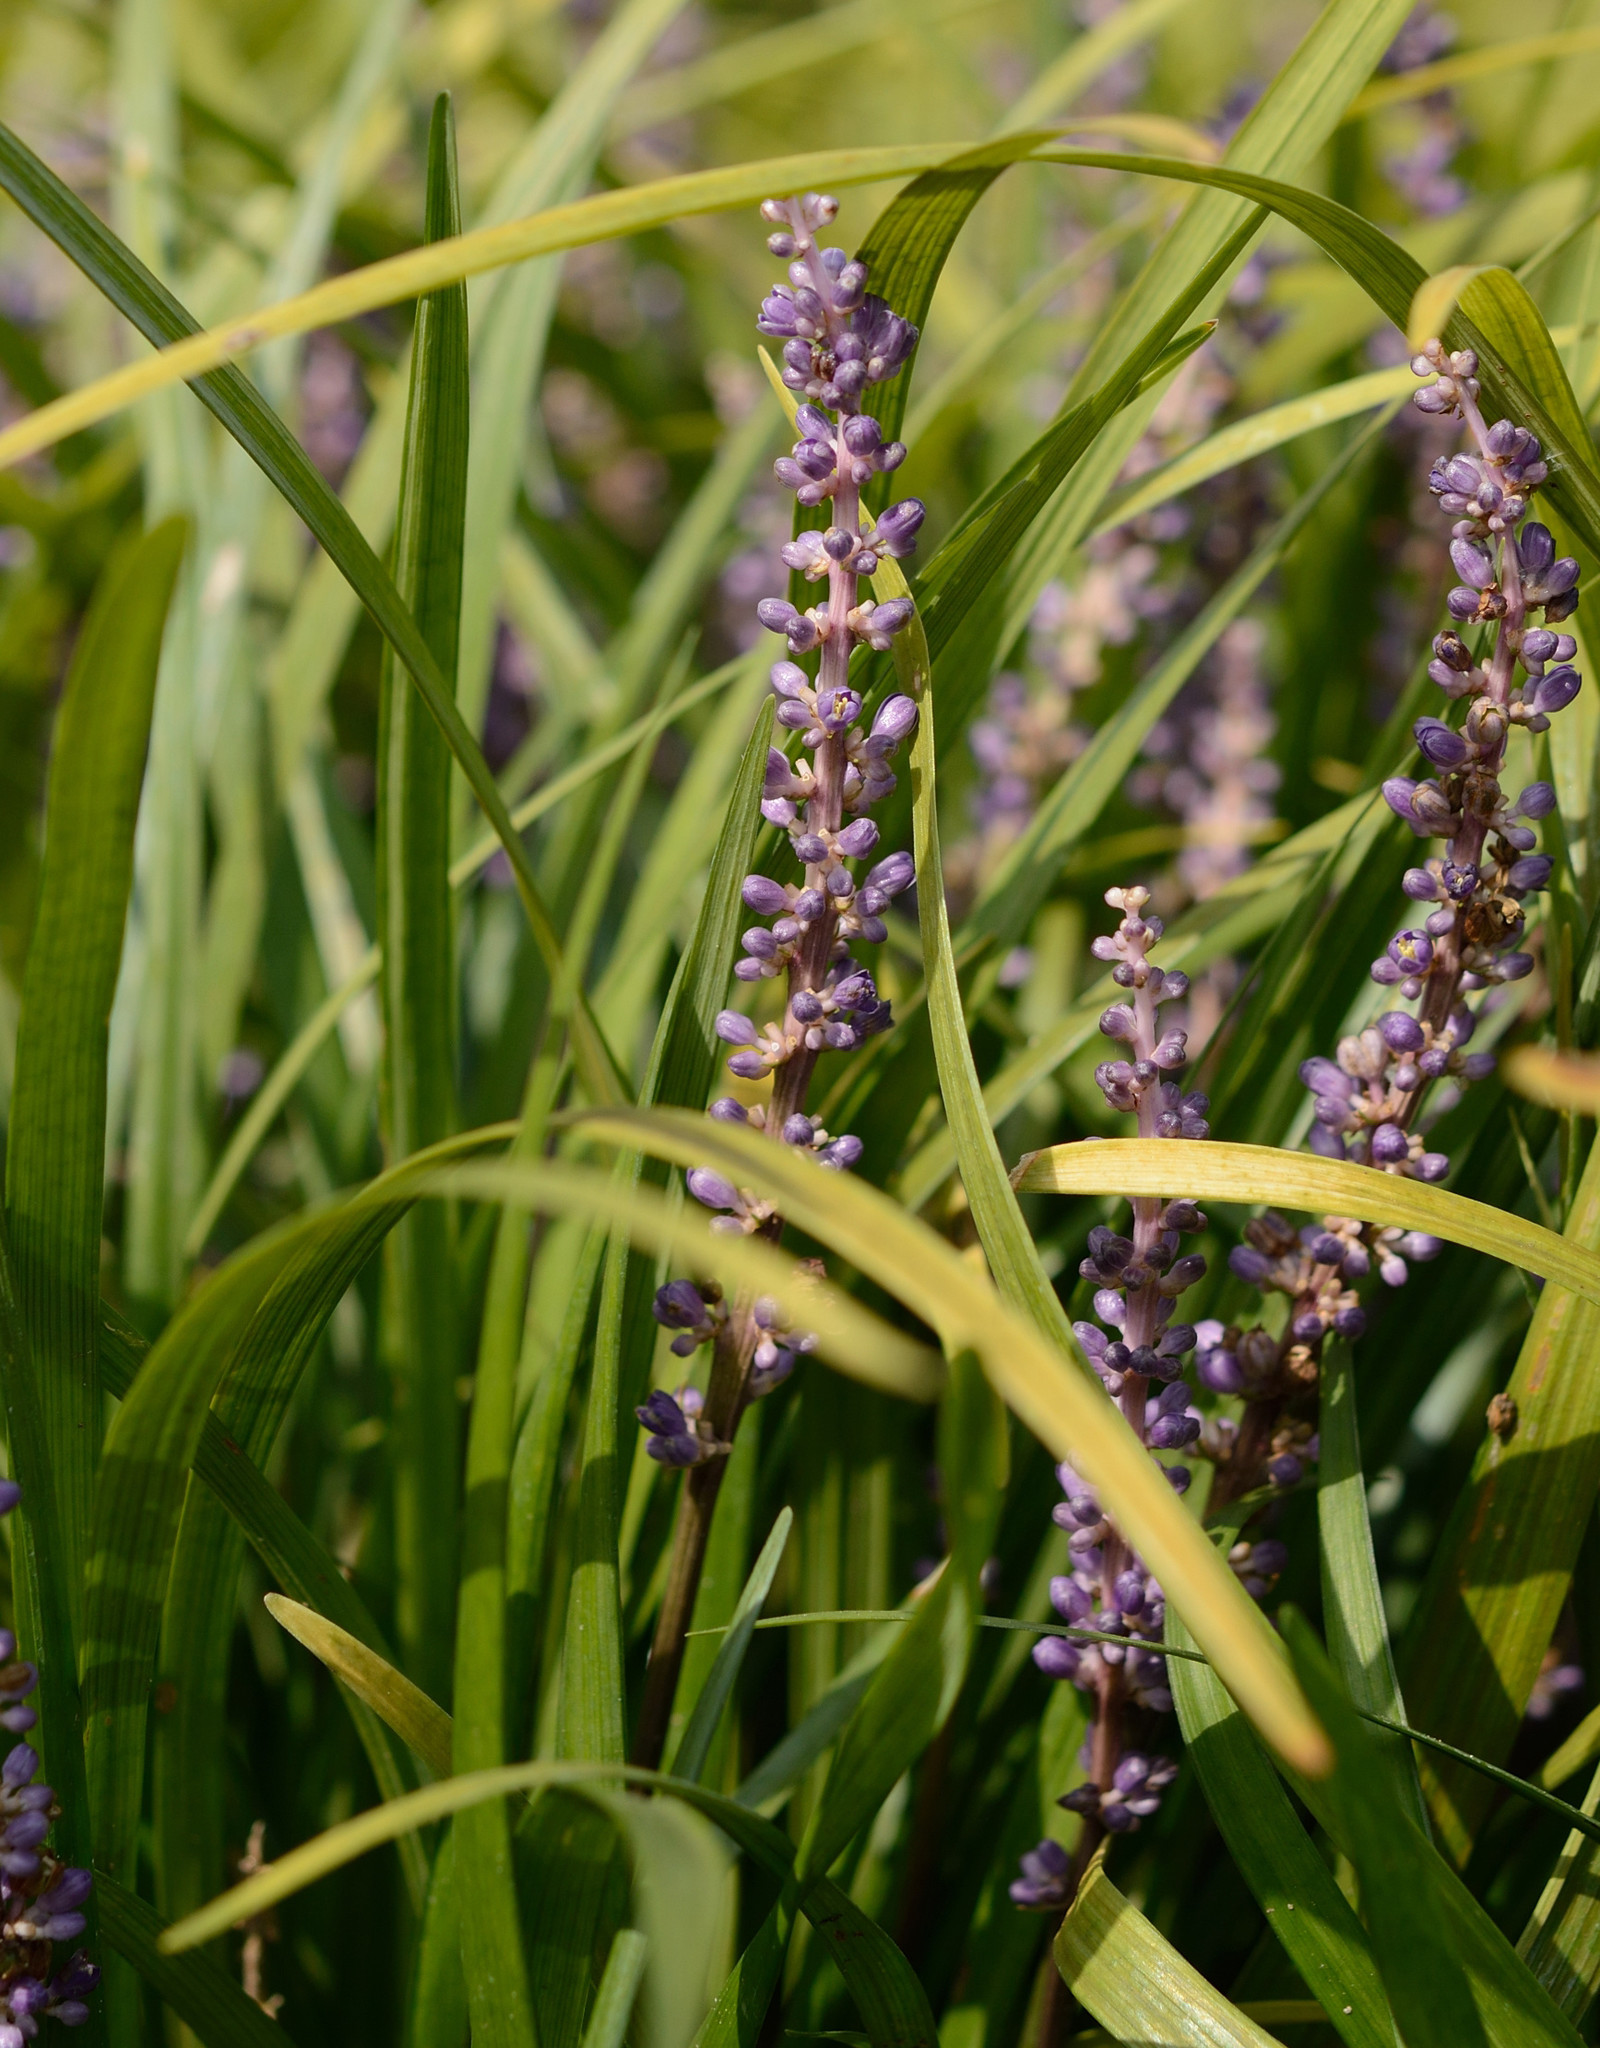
916, 1686
1276, 1857
416, 930
436, 2012
1352, 1600
1056, 1400
513, 316
1279, 136
117, 272
1500, 1571
1439, 1954
56, 1139
689, 1759
406, 1708
1007, 1242
1131, 1978
1261, 1173
888, 1993
618, 1988
1561, 1942
42, 1588
738, 2014
198, 1990
341, 1844
189, 354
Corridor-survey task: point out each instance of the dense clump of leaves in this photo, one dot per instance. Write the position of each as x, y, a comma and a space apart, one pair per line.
388, 793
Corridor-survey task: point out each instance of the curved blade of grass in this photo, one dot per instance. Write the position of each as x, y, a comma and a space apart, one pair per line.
342, 1844
1052, 1397
419, 1722
1262, 1173
1131, 1978
888, 1993
853, 1338
56, 1138
603, 217
1492, 61
153, 1441
1244, 440
694, 1747
1277, 1858
236, 403
1391, 279
1559, 1079
201, 1992
679, 1867
1352, 1599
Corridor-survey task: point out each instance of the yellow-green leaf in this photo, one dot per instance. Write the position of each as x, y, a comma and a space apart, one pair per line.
1135, 1983
1300, 1180
1057, 1400
406, 1708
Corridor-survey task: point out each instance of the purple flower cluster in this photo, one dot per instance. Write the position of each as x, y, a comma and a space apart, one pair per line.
1137, 1349
838, 342
41, 1898
1368, 1097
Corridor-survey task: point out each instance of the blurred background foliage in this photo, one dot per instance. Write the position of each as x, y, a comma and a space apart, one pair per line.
246, 147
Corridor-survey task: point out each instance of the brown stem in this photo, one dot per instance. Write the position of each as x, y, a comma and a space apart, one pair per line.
692, 1532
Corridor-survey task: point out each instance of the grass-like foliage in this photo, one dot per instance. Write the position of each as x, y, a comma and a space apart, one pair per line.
799, 1024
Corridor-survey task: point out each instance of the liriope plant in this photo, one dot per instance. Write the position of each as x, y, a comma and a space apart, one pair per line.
1091, 1538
